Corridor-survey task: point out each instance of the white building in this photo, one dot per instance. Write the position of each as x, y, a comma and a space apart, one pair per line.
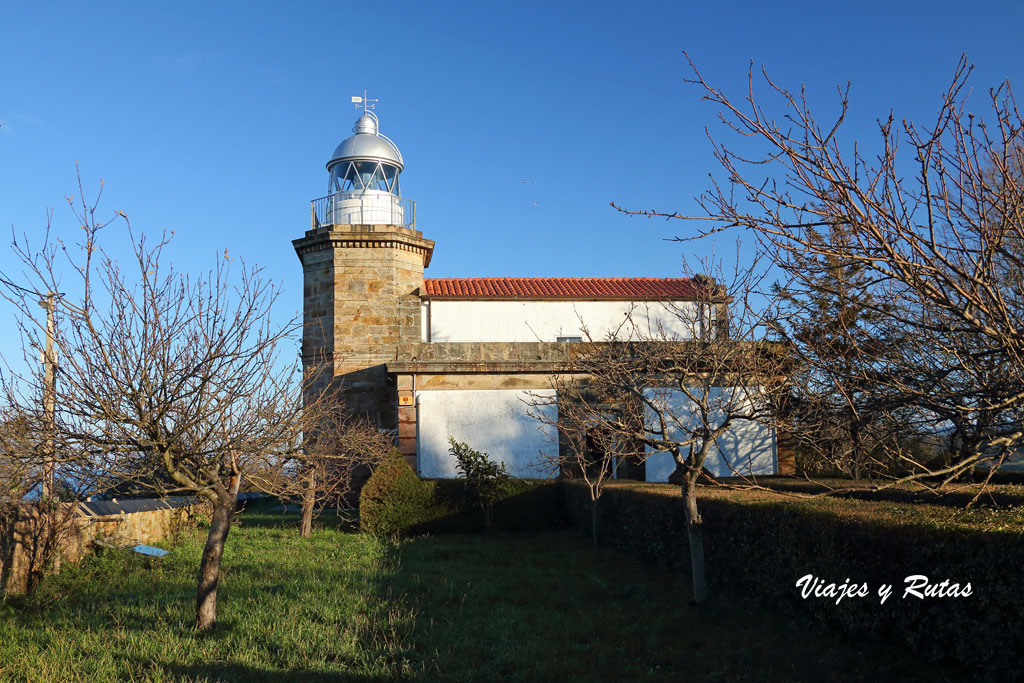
465, 358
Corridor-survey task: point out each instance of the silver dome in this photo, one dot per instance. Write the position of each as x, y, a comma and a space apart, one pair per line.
367, 143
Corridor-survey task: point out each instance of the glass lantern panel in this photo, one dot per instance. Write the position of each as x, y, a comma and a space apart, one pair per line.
341, 178
369, 175
351, 181
390, 174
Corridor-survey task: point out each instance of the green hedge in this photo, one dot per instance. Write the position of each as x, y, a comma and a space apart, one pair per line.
393, 498
396, 502
762, 544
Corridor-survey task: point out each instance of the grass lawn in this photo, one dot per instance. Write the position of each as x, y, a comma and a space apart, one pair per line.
343, 606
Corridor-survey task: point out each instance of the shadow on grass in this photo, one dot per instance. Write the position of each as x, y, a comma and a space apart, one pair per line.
338, 607
538, 607
274, 515
240, 672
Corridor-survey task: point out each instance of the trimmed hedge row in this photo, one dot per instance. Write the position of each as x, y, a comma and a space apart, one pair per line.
764, 544
395, 501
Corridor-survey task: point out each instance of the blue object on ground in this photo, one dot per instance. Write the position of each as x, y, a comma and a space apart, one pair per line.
149, 550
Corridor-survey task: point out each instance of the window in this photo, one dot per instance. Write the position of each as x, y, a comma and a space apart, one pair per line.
569, 339
359, 176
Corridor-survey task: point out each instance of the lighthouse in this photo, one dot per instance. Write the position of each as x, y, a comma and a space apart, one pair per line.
364, 187
469, 358
362, 260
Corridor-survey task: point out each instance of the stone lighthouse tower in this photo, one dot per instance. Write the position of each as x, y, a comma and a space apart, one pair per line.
362, 263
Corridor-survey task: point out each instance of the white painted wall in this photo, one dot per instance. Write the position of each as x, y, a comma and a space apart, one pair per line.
748, 447
529, 321
492, 421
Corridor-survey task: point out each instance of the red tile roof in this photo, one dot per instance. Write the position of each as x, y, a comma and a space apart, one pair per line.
631, 288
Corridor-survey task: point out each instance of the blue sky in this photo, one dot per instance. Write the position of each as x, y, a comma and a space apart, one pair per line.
215, 120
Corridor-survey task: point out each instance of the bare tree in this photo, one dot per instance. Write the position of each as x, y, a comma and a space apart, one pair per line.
586, 451
166, 372
40, 484
341, 452
338, 450
698, 386
20, 457
831, 322
935, 222
30, 523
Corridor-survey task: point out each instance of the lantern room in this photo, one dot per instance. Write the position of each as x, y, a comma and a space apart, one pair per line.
364, 187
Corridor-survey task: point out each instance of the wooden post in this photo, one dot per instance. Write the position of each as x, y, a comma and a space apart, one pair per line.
49, 400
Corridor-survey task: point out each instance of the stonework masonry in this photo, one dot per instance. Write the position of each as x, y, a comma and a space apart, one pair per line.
363, 338
16, 537
361, 301
505, 366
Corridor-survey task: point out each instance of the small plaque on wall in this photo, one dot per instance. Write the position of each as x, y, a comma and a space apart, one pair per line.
405, 400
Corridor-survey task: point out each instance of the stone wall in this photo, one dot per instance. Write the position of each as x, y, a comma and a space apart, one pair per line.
148, 521
360, 301
514, 356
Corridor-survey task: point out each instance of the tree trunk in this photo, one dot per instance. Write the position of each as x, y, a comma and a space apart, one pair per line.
593, 524
209, 567
488, 520
694, 535
855, 448
308, 498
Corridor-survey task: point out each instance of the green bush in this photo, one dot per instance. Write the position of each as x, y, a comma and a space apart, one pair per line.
396, 502
486, 481
761, 544
393, 499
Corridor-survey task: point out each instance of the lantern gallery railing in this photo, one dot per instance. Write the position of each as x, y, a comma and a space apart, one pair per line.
363, 207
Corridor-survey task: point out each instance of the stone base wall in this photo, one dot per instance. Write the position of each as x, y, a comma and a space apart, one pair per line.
361, 286
369, 392
22, 525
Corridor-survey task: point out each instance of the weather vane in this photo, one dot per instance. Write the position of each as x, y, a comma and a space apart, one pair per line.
364, 100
